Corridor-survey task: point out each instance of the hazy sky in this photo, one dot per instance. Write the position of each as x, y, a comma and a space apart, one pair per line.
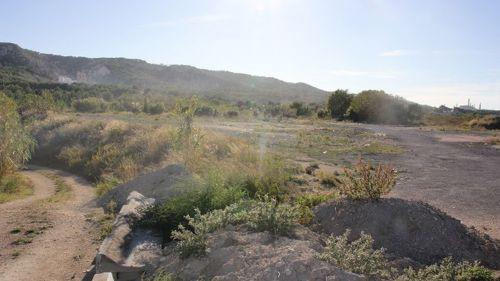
432, 52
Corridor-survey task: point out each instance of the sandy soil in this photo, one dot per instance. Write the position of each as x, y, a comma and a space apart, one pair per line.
63, 243
461, 177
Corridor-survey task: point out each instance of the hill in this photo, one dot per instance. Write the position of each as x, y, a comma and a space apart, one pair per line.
17, 63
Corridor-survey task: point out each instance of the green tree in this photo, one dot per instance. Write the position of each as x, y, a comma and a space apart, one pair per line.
300, 109
374, 106
16, 144
338, 103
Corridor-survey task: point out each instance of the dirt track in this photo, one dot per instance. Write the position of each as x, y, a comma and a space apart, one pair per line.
462, 179
65, 246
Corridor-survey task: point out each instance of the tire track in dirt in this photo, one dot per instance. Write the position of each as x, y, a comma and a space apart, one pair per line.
66, 248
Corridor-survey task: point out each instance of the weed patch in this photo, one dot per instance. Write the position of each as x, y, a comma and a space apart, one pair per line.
265, 215
357, 256
367, 182
448, 270
13, 187
307, 201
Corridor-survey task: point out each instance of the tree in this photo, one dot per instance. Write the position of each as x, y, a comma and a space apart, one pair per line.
300, 109
374, 106
16, 144
338, 103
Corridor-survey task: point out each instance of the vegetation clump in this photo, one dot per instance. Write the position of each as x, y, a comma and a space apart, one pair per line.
16, 144
260, 215
448, 270
367, 182
204, 195
338, 104
14, 186
357, 256
307, 201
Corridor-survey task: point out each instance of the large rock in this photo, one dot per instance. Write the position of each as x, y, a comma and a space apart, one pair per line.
408, 229
237, 254
127, 252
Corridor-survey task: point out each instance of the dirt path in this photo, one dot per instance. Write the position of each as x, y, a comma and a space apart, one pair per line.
62, 239
462, 179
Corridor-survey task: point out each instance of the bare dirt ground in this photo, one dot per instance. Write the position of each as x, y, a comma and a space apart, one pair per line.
460, 177
61, 239
458, 173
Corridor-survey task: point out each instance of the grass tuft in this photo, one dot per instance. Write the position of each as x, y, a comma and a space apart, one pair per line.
14, 187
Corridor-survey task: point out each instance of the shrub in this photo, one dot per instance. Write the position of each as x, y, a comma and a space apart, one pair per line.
105, 185
16, 144
374, 106
231, 114
205, 195
269, 215
300, 109
205, 111
365, 182
193, 241
447, 270
307, 201
93, 105
266, 215
156, 108
357, 256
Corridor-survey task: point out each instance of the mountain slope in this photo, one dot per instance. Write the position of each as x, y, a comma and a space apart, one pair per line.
21, 64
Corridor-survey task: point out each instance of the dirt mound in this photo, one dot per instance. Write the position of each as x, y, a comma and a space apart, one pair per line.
236, 254
408, 229
158, 185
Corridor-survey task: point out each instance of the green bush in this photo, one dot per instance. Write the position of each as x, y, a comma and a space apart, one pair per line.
357, 256
105, 185
367, 182
266, 215
447, 270
307, 201
206, 195
269, 215
374, 106
301, 109
93, 105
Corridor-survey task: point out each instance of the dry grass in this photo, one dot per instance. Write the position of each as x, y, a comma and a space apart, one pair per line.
13, 187
100, 150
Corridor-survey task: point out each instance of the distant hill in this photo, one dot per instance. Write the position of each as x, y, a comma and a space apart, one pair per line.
17, 63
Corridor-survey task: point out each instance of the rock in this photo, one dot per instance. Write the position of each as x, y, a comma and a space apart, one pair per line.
127, 252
